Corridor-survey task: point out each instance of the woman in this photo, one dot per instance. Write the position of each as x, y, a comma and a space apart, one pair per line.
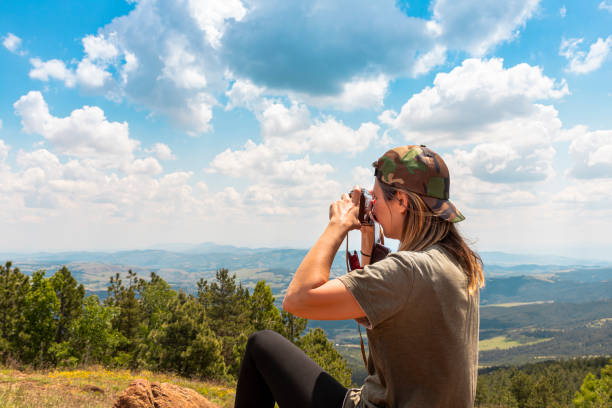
420, 304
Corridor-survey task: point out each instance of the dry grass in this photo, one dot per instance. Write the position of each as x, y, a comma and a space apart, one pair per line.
92, 387
505, 342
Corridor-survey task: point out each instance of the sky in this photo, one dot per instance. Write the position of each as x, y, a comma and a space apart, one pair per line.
133, 124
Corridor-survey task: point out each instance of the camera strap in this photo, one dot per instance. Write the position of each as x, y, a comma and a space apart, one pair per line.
379, 251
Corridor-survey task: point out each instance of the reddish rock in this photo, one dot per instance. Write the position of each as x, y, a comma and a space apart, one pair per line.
143, 394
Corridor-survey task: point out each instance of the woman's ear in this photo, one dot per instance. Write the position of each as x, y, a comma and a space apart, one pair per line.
402, 198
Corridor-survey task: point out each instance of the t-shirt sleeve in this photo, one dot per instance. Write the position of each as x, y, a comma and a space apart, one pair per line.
381, 289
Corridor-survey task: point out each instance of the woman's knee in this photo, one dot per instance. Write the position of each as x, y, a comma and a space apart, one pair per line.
261, 340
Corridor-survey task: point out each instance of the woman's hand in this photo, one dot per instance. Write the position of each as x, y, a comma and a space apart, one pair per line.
345, 212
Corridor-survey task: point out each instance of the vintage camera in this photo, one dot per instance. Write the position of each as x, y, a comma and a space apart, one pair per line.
366, 203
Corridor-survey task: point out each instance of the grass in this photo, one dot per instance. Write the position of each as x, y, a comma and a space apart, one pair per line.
505, 342
514, 304
92, 387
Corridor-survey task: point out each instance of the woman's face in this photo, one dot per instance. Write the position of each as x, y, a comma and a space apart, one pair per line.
389, 214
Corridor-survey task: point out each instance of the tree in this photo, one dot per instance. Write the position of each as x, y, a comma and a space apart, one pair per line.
227, 307
70, 296
184, 343
128, 318
14, 287
596, 392
316, 345
92, 338
264, 314
154, 297
292, 326
40, 308
521, 387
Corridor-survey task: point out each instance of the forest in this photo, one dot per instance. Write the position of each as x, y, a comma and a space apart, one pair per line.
145, 324
50, 322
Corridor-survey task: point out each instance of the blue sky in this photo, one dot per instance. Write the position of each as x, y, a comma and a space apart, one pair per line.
139, 123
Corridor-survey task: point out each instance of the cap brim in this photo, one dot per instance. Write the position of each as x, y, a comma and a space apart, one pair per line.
444, 209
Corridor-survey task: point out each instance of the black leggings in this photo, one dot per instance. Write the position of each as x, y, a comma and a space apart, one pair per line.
275, 370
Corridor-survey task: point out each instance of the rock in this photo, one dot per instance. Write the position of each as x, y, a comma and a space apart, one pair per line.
143, 394
92, 388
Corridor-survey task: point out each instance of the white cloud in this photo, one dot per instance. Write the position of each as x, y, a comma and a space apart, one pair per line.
358, 93
427, 61
279, 179
4, 149
211, 16
54, 69
481, 101
563, 11
99, 48
259, 162
91, 75
363, 177
581, 62
162, 151
592, 155
172, 57
245, 94
476, 26
180, 65
331, 135
86, 133
604, 5
12, 43
143, 166
507, 163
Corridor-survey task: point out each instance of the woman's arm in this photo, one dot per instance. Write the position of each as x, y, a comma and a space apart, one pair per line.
311, 294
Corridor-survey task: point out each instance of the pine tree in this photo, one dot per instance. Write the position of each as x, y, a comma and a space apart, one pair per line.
227, 307
129, 317
596, 392
70, 296
316, 345
184, 343
292, 326
264, 314
14, 287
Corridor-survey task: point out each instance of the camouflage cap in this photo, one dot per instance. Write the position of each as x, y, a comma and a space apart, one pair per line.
420, 170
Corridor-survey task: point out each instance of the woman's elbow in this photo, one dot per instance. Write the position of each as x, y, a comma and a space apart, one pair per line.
292, 304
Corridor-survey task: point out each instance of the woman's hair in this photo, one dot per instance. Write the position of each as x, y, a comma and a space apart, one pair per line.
423, 229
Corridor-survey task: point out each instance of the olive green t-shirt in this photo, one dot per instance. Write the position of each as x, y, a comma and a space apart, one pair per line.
422, 331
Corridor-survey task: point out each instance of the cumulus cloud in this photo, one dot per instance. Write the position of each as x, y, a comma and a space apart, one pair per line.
86, 133
162, 151
581, 62
173, 57
507, 163
162, 56
272, 45
563, 11
592, 155
363, 177
4, 149
99, 48
52, 69
12, 43
429, 60
480, 101
287, 182
358, 93
476, 26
